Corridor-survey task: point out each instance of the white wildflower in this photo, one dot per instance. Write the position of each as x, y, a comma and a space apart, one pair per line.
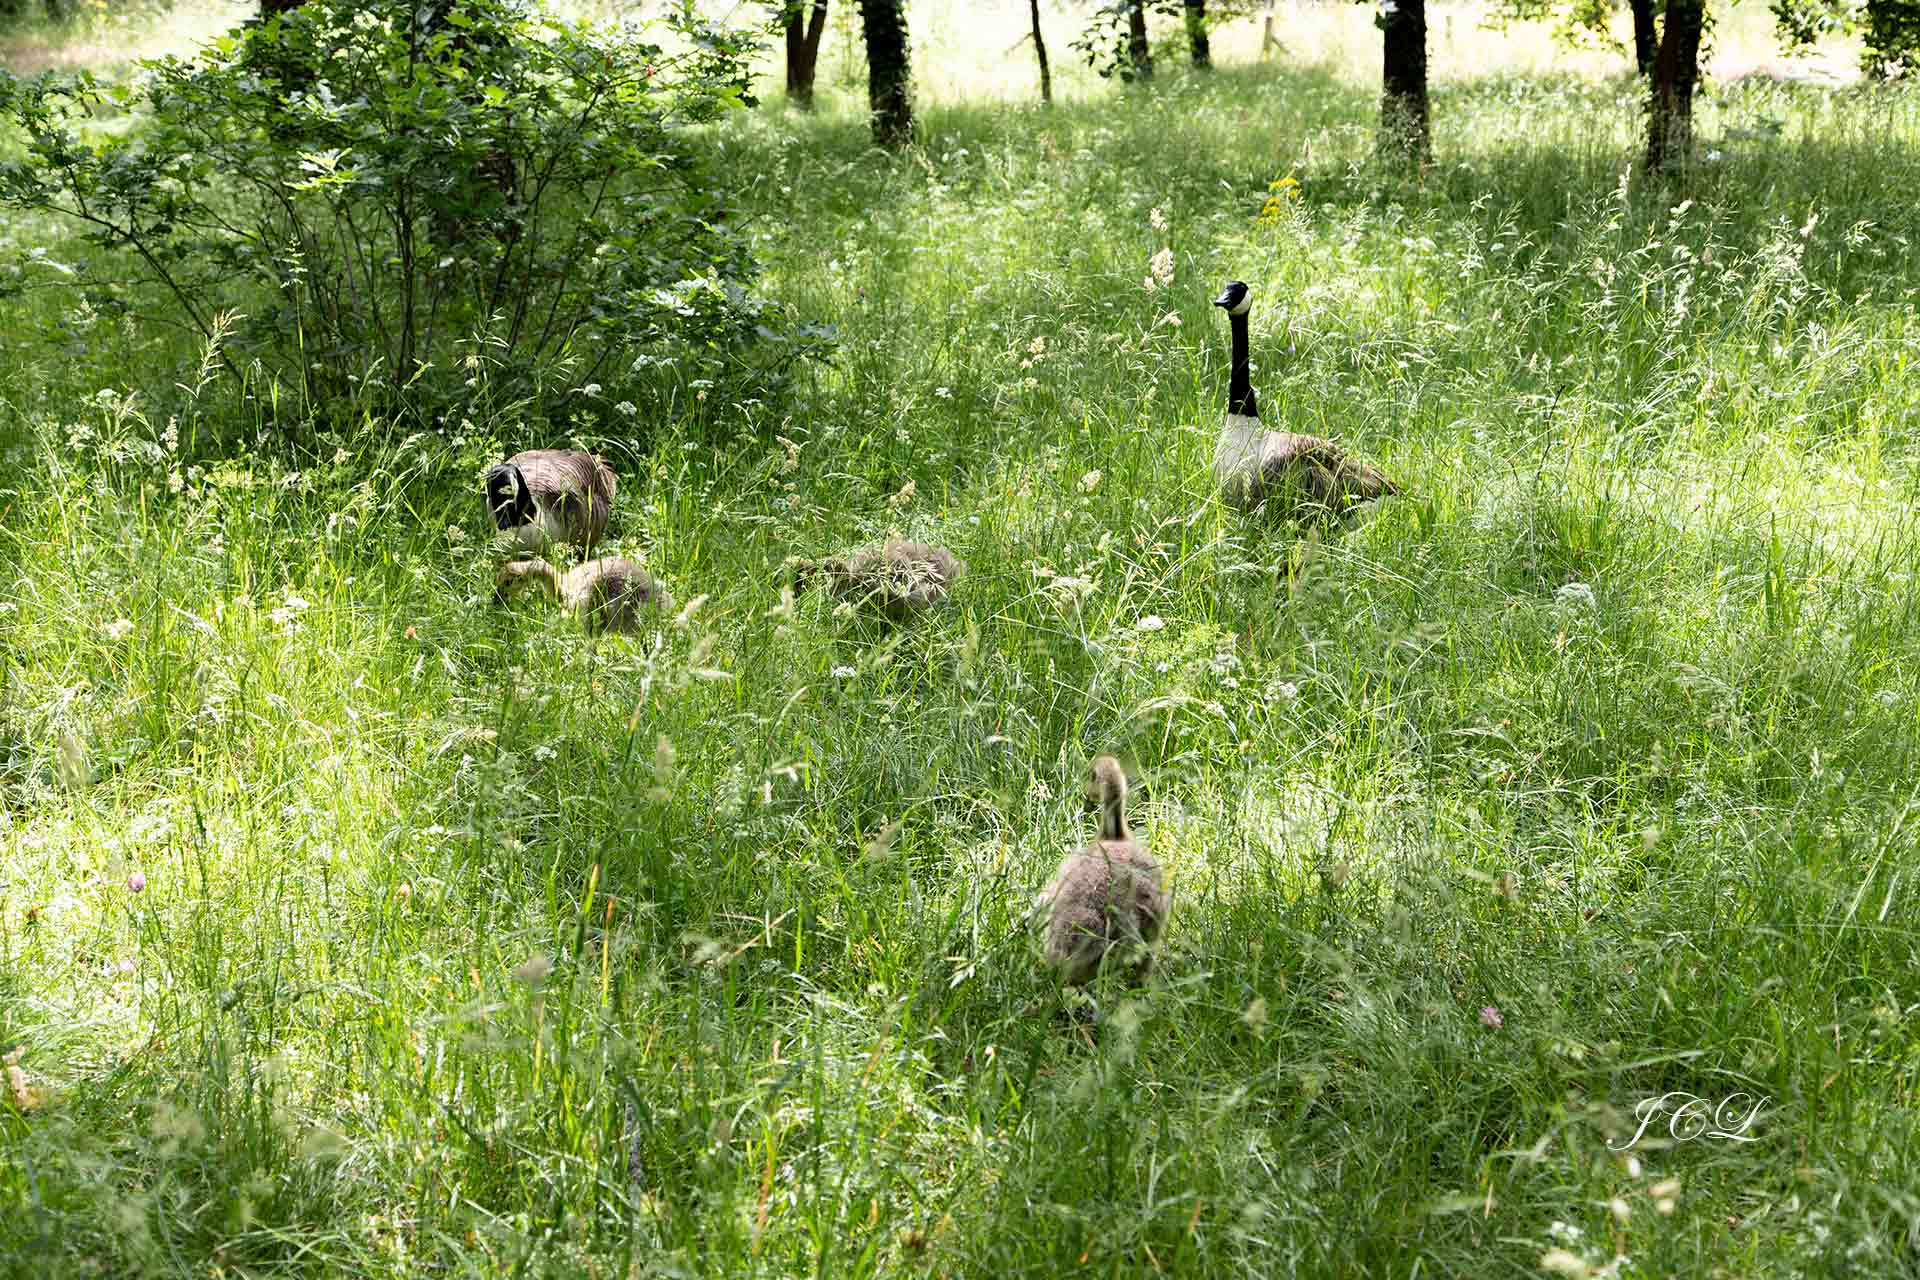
119, 629
1152, 622
844, 673
1156, 219
1161, 266
1575, 595
626, 408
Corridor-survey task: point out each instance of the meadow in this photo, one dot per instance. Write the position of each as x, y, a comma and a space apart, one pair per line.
351, 925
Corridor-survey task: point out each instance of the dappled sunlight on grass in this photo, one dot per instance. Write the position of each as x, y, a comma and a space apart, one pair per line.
1580, 771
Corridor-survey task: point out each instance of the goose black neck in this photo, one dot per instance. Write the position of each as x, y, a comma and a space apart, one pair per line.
1240, 385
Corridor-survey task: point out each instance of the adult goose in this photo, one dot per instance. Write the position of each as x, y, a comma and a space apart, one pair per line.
544, 496
897, 578
609, 594
1298, 474
1106, 898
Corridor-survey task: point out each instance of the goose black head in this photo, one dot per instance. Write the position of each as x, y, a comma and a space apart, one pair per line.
1236, 298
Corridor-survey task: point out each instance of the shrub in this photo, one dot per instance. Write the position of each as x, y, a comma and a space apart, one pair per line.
372, 185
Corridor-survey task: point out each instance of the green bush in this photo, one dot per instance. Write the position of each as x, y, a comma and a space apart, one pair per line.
374, 186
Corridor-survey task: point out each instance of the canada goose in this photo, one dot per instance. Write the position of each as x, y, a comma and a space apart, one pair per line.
897, 578
1105, 895
606, 594
545, 496
1252, 465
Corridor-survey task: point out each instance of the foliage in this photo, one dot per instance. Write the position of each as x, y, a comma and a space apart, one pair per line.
371, 185
1889, 30
1103, 43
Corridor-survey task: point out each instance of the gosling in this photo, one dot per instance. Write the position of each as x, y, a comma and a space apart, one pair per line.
1106, 899
897, 579
609, 594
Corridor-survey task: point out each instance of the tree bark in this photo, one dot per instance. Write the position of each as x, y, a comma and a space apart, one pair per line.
804, 30
1139, 53
889, 72
1040, 51
1675, 72
1644, 36
1196, 15
1404, 125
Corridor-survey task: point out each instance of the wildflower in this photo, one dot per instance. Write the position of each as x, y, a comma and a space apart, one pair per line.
1491, 1017
1152, 622
119, 629
591, 389
1161, 266
1171, 318
1575, 595
844, 673
136, 882
1287, 690
1562, 1263
412, 633
1156, 219
1090, 481
626, 408
943, 393
455, 534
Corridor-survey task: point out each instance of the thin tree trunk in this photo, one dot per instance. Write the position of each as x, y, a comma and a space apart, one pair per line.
803, 50
1139, 53
1675, 71
1196, 15
1403, 81
889, 73
1644, 36
1040, 51
1268, 41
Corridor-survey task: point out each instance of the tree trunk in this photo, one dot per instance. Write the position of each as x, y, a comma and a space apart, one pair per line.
1644, 36
889, 72
1675, 71
1040, 51
1139, 54
803, 50
1196, 15
1268, 41
1403, 81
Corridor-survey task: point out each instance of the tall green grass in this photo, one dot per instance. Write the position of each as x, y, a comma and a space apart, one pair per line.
1583, 772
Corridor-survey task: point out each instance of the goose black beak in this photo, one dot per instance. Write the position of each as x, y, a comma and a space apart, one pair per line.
1224, 300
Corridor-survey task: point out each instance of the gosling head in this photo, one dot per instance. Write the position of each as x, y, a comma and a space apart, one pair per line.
1236, 298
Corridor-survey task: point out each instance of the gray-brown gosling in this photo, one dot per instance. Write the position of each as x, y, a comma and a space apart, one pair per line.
898, 579
609, 594
1285, 469
544, 496
1107, 896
